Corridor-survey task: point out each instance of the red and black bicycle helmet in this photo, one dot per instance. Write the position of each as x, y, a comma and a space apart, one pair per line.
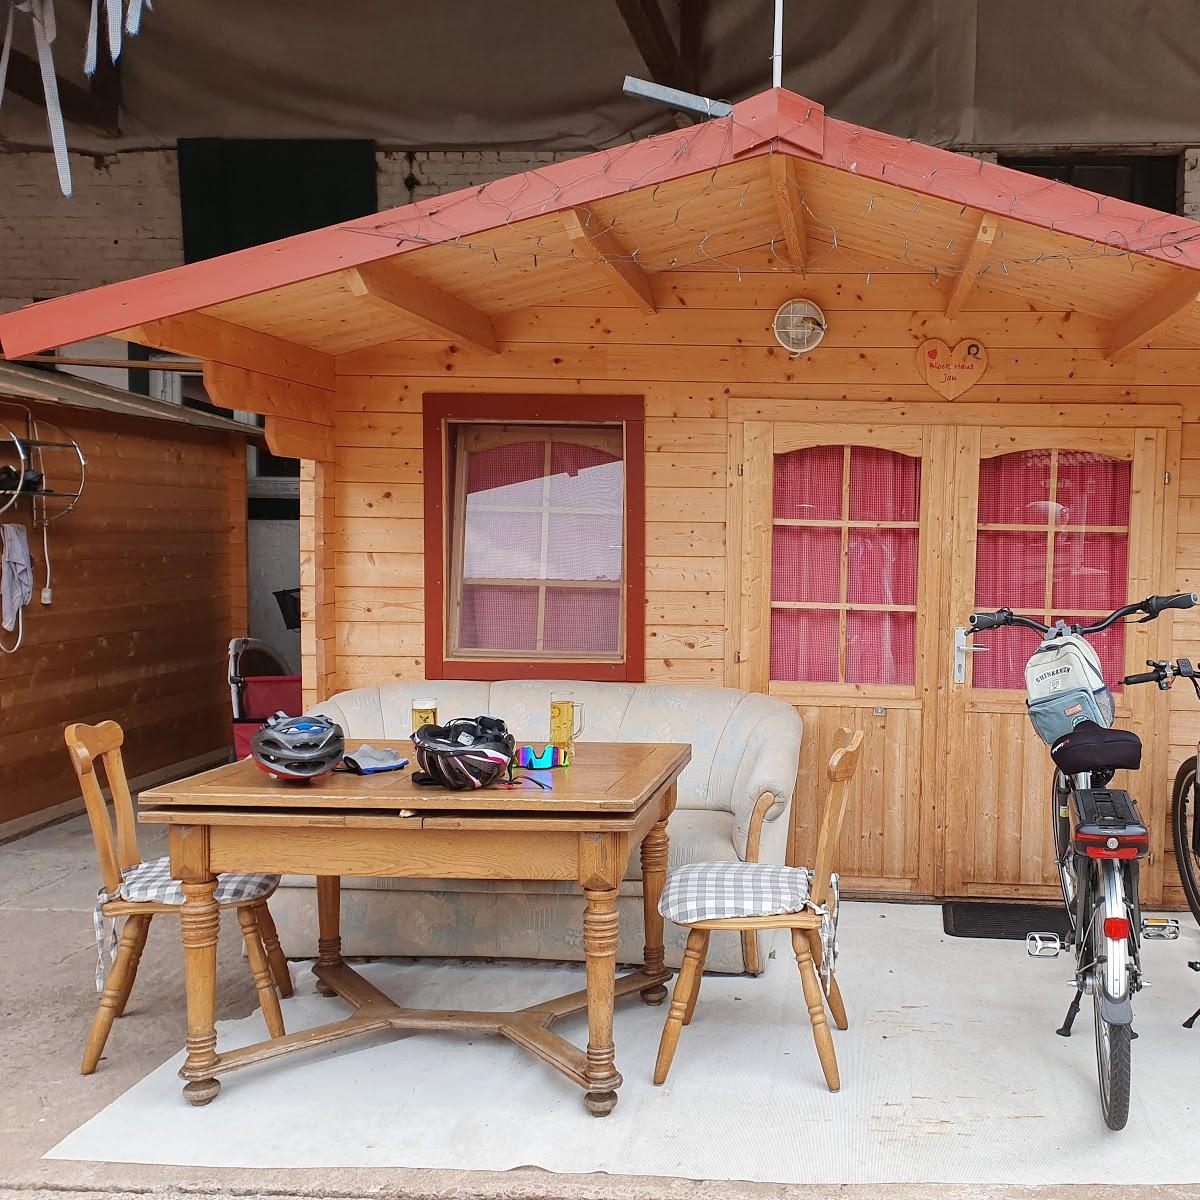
298, 749
466, 753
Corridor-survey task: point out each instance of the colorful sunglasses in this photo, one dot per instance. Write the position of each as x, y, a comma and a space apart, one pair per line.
552, 756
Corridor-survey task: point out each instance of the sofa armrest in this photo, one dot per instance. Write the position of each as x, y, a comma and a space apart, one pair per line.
764, 785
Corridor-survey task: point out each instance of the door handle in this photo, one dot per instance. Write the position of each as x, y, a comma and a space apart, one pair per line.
961, 649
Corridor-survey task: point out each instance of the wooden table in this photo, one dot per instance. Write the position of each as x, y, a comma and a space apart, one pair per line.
235, 818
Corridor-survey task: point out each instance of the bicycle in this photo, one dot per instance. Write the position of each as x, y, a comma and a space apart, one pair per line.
1099, 835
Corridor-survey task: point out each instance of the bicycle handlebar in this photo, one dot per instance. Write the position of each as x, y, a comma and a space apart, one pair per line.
1152, 606
1144, 677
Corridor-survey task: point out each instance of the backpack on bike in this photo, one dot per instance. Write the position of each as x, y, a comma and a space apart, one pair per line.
1064, 685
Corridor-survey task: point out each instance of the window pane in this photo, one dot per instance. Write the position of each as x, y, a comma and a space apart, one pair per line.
884, 485
1001, 663
1092, 489
495, 617
1010, 570
804, 645
805, 564
585, 477
880, 647
538, 502
505, 469
583, 620
502, 545
1089, 571
1014, 489
883, 566
808, 484
585, 546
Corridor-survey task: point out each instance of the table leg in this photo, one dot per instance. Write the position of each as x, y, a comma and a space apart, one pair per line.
329, 921
654, 873
600, 927
199, 923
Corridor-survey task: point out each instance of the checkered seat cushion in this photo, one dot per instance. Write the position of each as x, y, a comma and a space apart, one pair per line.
152, 881
710, 891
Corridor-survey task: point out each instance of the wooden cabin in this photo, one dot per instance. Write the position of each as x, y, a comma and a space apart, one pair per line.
147, 586
815, 524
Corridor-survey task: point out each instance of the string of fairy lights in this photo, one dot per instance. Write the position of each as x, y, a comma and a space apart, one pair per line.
831, 247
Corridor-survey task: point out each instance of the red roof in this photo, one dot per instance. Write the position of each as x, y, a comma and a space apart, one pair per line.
777, 121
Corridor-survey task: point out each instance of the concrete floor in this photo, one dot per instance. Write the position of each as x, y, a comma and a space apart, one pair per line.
47, 889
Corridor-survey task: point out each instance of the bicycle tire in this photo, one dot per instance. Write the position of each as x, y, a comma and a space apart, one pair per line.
1183, 807
1113, 1067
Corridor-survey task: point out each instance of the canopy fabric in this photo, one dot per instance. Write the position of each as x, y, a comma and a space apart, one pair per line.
546, 75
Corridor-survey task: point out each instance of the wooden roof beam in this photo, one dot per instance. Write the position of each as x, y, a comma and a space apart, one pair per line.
211, 338
972, 263
594, 240
444, 315
789, 208
1157, 315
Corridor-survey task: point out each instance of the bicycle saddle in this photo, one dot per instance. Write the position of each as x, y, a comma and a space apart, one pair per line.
1091, 747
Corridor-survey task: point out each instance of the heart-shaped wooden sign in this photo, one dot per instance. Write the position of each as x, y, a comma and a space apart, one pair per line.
951, 372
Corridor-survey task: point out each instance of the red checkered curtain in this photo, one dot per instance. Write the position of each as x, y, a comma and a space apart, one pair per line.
1052, 543
541, 542
844, 555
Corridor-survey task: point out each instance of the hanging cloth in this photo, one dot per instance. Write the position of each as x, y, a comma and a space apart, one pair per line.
16, 574
45, 30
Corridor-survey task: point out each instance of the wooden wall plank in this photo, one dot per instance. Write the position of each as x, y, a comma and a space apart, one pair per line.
149, 586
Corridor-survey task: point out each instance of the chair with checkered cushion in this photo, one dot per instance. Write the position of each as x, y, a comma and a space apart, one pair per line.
140, 891
741, 895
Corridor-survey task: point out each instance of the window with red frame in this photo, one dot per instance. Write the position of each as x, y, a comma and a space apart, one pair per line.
537, 545
1052, 543
845, 535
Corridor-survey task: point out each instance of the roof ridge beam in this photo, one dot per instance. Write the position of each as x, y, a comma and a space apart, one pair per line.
786, 192
1157, 315
444, 315
972, 264
598, 243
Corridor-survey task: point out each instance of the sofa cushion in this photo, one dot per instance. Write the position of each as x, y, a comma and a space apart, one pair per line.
685, 713
525, 705
386, 711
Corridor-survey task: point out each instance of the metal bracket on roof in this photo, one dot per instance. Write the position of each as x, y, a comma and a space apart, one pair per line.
687, 102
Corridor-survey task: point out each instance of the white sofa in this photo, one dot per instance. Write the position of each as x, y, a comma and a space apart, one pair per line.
733, 804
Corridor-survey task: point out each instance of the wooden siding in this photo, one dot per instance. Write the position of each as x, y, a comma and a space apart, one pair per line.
149, 578
710, 347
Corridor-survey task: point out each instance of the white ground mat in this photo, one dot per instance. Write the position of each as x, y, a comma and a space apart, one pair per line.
951, 1073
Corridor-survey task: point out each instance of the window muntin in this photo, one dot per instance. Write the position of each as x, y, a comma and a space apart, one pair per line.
844, 554
1052, 542
537, 542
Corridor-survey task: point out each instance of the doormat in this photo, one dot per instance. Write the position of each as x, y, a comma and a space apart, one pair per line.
986, 919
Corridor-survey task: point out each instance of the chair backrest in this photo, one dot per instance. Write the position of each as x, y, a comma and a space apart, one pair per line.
86, 744
842, 765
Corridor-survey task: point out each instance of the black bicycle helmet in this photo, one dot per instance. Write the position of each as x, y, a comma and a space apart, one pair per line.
468, 752
298, 749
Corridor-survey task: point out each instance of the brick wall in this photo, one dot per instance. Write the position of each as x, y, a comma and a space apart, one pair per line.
122, 221
124, 217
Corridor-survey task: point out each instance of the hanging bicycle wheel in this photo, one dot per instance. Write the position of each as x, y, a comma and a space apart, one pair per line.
1183, 832
1113, 1043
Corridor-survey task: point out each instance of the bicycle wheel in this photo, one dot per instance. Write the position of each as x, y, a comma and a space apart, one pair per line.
1112, 1061
1183, 818
1060, 818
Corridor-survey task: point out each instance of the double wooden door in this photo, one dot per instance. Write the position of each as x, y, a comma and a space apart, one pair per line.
862, 545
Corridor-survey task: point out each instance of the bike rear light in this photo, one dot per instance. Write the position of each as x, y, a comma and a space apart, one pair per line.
1116, 927
1107, 845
